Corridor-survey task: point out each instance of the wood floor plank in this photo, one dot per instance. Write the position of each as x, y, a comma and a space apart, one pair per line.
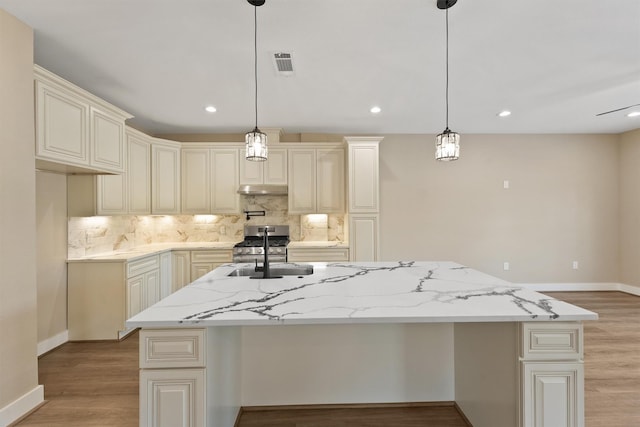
96, 384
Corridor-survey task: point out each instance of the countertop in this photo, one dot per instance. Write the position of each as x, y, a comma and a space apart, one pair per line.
341, 293
157, 248
142, 251
317, 244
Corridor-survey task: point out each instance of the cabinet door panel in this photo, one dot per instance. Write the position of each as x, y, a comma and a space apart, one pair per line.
302, 181
107, 141
62, 129
181, 266
165, 274
275, 168
172, 398
196, 181
200, 269
330, 175
251, 172
224, 178
111, 194
363, 246
553, 394
165, 183
138, 175
135, 288
363, 178
151, 288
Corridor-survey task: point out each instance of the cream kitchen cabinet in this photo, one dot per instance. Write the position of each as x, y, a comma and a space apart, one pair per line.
204, 261
317, 254
75, 130
181, 269
210, 180
166, 274
173, 377
165, 177
273, 171
364, 198
103, 294
316, 180
127, 193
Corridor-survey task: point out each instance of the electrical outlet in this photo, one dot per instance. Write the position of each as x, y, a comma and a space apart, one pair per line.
575, 265
505, 266
505, 184
222, 230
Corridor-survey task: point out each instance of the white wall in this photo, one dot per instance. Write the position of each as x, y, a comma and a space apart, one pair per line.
51, 226
562, 205
19, 390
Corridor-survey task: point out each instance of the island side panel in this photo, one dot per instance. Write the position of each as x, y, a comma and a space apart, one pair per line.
364, 363
486, 373
224, 358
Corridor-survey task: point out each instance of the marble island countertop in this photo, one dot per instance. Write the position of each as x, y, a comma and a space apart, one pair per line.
383, 292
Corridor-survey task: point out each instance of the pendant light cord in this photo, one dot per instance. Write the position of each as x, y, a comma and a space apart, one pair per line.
255, 57
447, 66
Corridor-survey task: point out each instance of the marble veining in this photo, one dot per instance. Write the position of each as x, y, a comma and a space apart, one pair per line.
384, 292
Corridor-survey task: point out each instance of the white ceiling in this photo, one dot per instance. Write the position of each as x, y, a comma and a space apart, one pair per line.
554, 64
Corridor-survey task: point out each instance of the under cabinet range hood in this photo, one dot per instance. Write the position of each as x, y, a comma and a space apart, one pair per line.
263, 190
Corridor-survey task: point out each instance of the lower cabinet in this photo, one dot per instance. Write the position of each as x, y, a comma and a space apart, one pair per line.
204, 261
172, 378
103, 295
318, 254
181, 269
552, 375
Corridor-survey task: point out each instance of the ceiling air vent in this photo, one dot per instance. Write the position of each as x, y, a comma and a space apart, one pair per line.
284, 63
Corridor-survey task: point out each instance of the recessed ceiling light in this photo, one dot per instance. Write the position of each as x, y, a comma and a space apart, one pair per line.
375, 110
210, 109
504, 113
634, 114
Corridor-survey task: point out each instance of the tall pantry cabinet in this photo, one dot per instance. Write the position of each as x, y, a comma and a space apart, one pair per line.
364, 198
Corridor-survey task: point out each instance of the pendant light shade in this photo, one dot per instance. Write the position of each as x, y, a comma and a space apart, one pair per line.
256, 140
447, 143
447, 146
256, 145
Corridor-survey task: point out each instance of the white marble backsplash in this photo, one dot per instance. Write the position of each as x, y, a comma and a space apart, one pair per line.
95, 235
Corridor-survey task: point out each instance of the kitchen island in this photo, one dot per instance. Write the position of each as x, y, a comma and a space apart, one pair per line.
384, 332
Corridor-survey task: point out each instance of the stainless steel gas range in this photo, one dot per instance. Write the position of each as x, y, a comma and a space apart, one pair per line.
251, 248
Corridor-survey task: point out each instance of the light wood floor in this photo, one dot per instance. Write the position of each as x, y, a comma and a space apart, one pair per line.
612, 357
96, 384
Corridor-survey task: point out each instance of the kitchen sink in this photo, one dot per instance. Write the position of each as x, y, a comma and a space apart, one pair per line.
275, 270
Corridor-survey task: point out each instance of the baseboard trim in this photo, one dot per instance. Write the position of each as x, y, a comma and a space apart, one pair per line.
577, 287
21, 406
51, 343
345, 406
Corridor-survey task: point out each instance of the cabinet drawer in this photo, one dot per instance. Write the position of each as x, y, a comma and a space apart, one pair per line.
318, 254
543, 341
172, 348
143, 265
218, 256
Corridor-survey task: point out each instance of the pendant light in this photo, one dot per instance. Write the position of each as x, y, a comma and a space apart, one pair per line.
447, 143
256, 140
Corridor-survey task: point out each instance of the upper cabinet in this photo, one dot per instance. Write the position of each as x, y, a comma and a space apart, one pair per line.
75, 130
316, 180
165, 177
273, 171
210, 180
364, 193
